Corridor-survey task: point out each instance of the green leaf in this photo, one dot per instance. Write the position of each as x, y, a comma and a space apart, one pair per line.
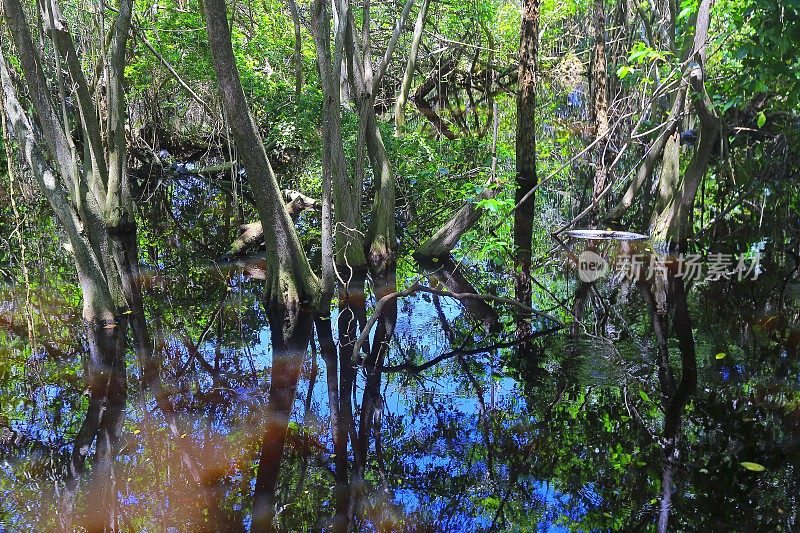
762, 119
685, 12
623, 71
720, 355
755, 467
644, 396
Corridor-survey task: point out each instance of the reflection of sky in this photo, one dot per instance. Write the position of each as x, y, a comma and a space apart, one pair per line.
442, 390
418, 325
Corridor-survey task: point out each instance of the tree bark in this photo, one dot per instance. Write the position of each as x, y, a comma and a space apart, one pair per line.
291, 290
298, 50
654, 152
670, 224
382, 253
599, 78
346, 192
441, 243
365, 80
89, 204
526, 149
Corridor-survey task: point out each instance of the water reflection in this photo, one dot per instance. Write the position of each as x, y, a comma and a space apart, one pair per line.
436, 420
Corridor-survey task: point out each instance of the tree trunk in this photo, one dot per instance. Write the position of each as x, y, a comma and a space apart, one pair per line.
290, 285
599, 79
670, 225
365, 79
298, 51
89, 206
408, 75
526, 149
291, 291
381, 237
346, 193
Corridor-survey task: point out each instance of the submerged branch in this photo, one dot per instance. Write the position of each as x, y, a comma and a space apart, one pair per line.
417, 287
409, 367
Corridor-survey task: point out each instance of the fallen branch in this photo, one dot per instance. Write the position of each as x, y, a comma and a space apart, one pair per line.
444, 240
296, 203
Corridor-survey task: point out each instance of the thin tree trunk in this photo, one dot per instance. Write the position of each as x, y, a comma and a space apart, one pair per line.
346, 192
97, 200
365, 81
298, 50
599, 78
654, 152
408, 75
526, 149
290, 282
81, 201
381, 234
291, 290
670, 225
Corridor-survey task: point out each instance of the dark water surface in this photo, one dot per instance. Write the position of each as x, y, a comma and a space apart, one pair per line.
680, 402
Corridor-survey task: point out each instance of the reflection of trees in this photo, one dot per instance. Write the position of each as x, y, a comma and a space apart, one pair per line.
574, 427
590, 439
675, 394
629, 460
